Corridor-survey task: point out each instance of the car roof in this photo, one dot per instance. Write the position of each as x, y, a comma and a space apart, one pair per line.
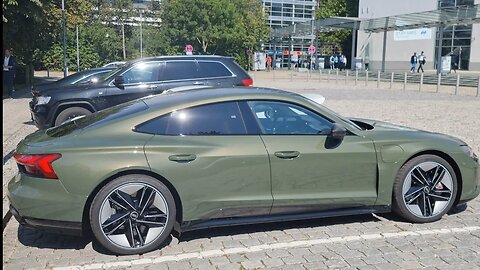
182, 57
216, 94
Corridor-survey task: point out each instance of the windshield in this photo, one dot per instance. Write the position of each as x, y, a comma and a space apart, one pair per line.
344, 120
97, 118
72, 78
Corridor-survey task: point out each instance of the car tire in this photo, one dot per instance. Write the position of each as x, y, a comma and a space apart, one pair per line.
70, 113
132, 214
425, 189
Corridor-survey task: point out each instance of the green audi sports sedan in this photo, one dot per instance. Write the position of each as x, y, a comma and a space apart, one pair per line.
133, 173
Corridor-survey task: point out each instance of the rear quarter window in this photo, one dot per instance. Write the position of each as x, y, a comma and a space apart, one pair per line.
213, 69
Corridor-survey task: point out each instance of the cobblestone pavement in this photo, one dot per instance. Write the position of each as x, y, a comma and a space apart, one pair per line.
356, 242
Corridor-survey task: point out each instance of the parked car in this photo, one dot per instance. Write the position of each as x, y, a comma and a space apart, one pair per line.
214, 157
84, 76
116, 64
137, 79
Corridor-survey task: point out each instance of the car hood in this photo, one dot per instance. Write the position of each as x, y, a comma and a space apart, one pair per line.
380, 127
62, 88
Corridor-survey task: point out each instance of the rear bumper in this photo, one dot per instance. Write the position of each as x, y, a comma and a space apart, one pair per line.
53, 226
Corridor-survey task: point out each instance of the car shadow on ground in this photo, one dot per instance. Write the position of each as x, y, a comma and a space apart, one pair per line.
41, 239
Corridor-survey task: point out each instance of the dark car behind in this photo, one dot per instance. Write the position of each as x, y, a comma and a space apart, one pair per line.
140, 78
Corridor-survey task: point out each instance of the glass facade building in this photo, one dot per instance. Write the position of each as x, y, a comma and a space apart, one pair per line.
283, 13
456, 39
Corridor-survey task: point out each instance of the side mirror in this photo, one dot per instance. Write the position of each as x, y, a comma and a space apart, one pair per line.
119, 82
335, 138
338, 132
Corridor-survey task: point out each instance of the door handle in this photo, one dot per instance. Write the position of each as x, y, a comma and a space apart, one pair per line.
182, 157
287, 154
152, 87
198, 83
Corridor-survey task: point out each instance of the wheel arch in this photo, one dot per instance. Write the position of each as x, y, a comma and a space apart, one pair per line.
61, 107
178, 203
450, 161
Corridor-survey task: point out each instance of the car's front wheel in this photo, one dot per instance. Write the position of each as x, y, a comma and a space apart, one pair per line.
132, 214
425, 189
69, 114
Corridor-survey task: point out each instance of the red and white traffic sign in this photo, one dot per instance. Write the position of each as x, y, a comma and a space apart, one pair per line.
312, 49
189, 48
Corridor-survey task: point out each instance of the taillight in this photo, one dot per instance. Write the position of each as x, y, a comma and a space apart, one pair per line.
247, 82
38, 165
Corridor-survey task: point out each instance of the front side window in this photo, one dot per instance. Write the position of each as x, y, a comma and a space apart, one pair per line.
205, 120
281, 118
142, 73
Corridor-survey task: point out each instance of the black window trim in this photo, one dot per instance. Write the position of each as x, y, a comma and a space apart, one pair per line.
135, 128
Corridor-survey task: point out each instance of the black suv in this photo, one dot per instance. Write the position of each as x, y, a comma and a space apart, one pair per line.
143, 77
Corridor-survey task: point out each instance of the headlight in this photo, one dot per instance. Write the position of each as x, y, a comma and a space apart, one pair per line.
469, 151
43, 100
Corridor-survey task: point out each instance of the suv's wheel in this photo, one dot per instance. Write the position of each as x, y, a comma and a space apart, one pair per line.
424, 189
132, 214
70, 113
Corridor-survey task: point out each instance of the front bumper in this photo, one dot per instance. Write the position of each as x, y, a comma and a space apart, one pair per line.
45, 204
40, 116
471, 182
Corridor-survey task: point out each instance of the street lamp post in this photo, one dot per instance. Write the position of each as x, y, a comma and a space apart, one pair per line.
141, 36
65, 67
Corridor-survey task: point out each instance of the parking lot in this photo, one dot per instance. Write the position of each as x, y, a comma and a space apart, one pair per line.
357, 242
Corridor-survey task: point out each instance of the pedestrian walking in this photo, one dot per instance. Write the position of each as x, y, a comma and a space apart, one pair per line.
454, 62
343, 62
367, 62
9, 66
269, 63
335, 61
332, 62
413, 62
421, 62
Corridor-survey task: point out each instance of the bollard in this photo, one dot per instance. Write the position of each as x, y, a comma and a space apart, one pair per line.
336, 77
346, 77
319, 74
405, 82
378, 79
366, 78
439, 81
478, 86
328, 76
356, 77
421, 82
457, 84
391, 81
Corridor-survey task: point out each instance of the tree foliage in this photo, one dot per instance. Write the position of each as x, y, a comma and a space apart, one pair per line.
337, 8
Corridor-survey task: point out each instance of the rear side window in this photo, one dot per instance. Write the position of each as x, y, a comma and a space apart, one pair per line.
180, 70
206, 120
213, 69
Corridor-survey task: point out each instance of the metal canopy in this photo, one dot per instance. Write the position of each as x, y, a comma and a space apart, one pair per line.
426, 19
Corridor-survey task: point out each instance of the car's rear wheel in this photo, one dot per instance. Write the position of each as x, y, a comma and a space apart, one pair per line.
69, 114
132, 214
424, 189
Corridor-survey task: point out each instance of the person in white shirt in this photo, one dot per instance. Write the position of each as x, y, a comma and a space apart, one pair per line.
421, 62
9, 65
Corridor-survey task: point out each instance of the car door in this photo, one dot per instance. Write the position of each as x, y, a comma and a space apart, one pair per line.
141, 80
218, 169
309, 172
180, 73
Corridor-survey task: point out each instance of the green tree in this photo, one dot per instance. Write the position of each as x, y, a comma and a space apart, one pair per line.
214, 26
337, 8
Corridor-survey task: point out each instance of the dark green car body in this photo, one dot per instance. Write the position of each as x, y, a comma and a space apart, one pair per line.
234, 178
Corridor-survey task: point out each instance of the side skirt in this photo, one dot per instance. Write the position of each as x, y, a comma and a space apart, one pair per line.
203, 224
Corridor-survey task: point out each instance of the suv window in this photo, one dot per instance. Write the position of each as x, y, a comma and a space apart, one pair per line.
281, 118
205, 120
142, 72
213, 69
180, 70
